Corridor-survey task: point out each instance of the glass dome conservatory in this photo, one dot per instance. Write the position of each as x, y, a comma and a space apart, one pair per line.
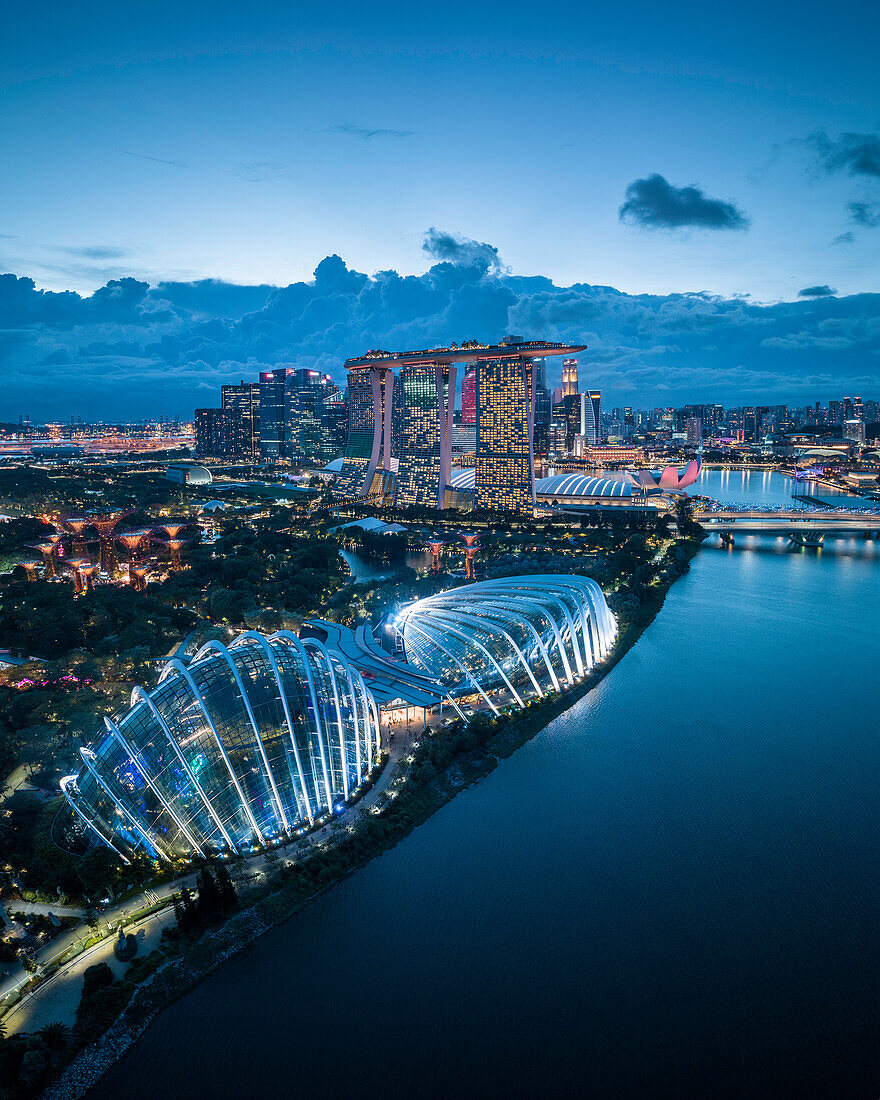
239, 746
511, 639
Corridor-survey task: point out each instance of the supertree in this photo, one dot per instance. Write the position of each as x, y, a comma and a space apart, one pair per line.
76, 565
471, 547
435, 546
137, 577
105, 524
30, 567
173, 527
174, 546
47, 549
133, 541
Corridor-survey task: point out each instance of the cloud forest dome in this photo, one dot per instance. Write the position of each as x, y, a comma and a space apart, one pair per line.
242, 745
512, 639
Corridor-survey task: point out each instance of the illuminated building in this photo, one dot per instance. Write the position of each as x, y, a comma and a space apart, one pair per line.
368, 449
426, 434
273, 413
426, 386
241, 404
305, 430
570, 378
242, 745
591, 417
504, 479
469, 397
212, 432
509, 640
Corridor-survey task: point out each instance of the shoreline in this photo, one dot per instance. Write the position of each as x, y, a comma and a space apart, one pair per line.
180, 974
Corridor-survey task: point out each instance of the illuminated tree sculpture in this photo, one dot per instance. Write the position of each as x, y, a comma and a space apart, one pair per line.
133, 542
471, 542
173, 528
30, 567
76, 566
435, 546
47, 549
105, 524
174, 546
137, 577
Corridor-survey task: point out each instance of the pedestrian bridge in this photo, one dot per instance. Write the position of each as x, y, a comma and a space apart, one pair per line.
804, 528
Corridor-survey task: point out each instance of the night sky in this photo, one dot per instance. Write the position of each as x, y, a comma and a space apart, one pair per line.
692, 190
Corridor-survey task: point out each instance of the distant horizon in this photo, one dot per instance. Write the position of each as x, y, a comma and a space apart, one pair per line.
170, 345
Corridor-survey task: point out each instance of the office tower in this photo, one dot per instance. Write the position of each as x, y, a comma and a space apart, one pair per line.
572, 405
469, 397
212, 432
543, 411
753, 422
504, 476
854, 430
273, 401
693, 427
569, 378
835, 412
335, 424
558, 426
426, 434
305, 393
241, 403
591, 417
368, 447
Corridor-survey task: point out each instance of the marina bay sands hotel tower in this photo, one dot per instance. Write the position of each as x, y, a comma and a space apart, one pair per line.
425, 391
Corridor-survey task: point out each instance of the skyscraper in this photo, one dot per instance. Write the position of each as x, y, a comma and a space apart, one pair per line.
368, 449
273, 389
305, 393
504, 477
212, 433
591, 417
569, 377
241, 403
426, 434
469, 396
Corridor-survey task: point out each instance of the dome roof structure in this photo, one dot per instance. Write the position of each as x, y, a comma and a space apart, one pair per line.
579, 485
511, 639
240, 746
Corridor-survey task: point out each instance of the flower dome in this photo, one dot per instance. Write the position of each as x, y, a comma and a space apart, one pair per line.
240, 746
511, 639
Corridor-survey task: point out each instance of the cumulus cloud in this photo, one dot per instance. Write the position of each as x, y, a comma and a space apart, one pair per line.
822, 291
132, 349
654, 203
455, 249
854, 154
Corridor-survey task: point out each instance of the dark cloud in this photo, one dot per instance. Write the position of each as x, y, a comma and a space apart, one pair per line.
653, 203
823, 291
844, 238
131, 350
367, 134
454, 249
855, 154
155, 160
866, 214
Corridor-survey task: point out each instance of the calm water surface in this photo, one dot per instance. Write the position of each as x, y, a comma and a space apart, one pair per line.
672, 891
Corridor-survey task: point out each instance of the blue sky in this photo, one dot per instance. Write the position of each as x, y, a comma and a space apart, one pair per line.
246, 143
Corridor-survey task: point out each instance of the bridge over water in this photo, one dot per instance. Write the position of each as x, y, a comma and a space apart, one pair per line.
802, 527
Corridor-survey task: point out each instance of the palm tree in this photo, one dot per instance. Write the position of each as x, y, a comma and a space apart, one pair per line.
55, 1035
